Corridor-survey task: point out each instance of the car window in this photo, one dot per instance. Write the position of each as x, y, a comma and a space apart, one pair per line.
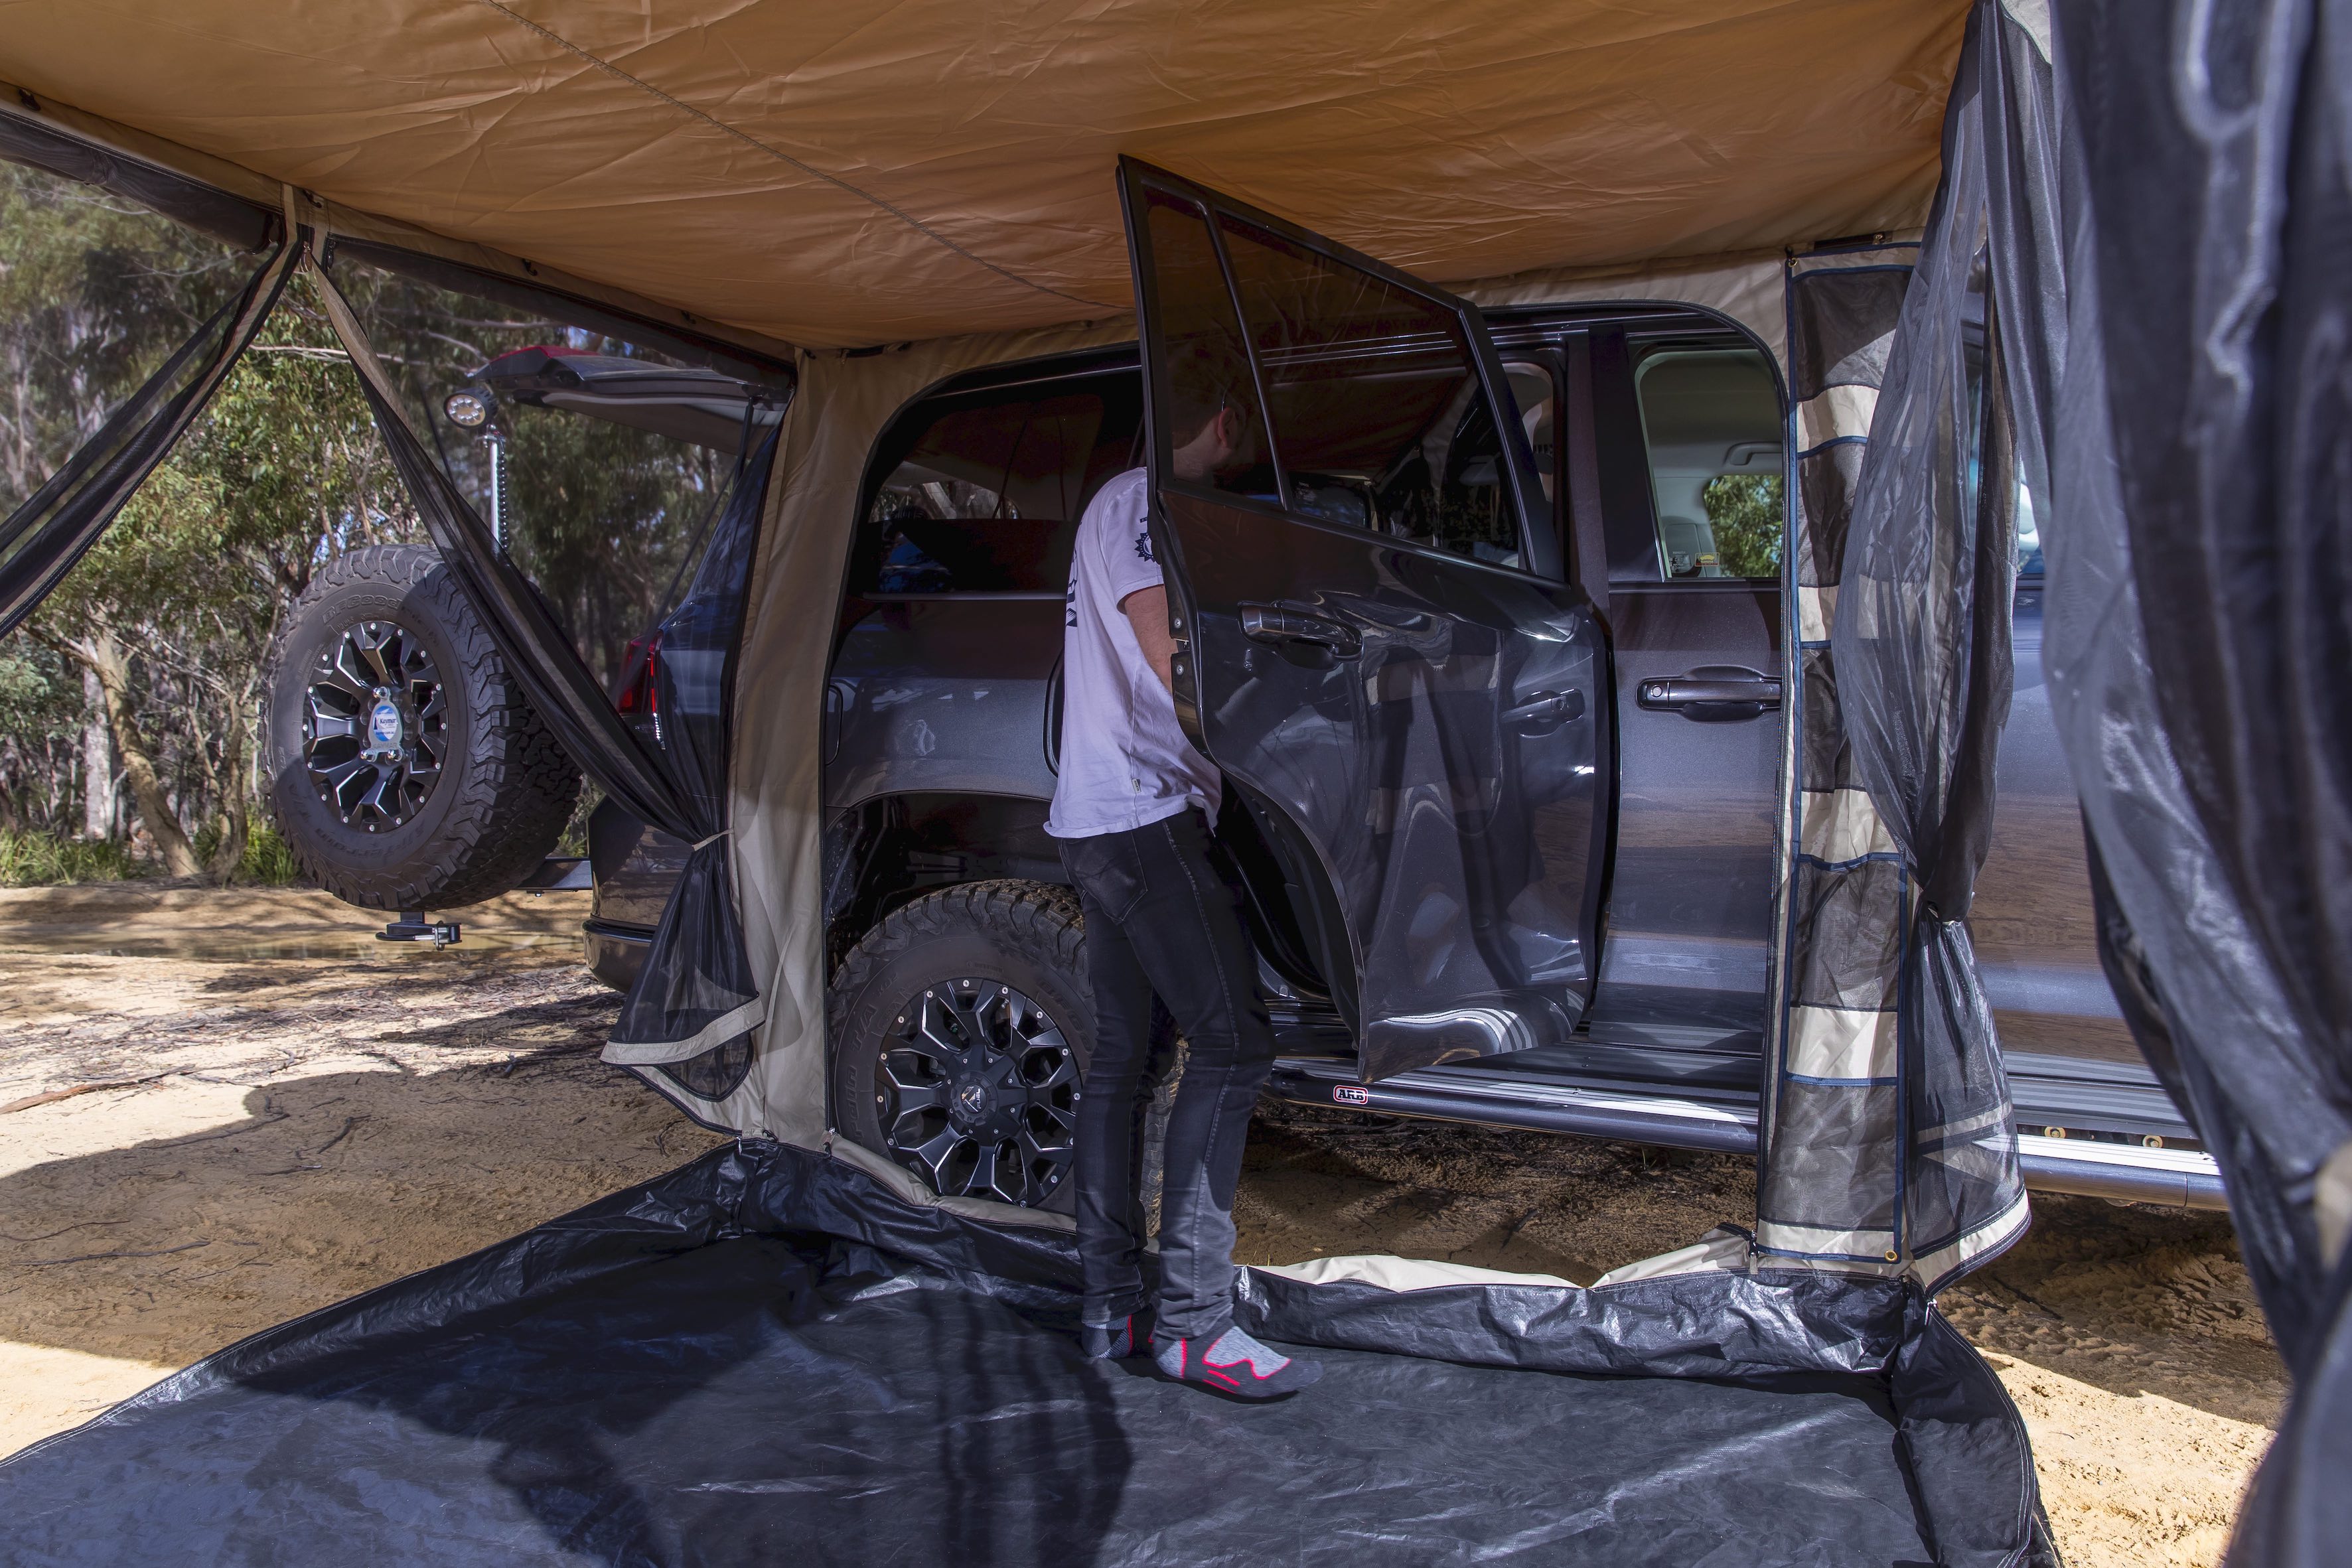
1206, 375
985, 490
1379, 421
1711, 427
2029, 531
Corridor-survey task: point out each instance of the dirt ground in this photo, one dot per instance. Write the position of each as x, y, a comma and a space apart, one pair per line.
219, 1111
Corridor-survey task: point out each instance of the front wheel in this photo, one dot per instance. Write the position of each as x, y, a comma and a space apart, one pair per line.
962, 1025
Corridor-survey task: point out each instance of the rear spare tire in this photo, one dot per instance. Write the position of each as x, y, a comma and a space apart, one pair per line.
407, 770
961, 1028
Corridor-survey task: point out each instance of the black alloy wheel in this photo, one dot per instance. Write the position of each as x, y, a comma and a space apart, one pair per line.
374, 726
407, 769
977, 1092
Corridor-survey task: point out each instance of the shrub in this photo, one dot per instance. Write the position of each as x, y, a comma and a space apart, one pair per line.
44, 859
268, 860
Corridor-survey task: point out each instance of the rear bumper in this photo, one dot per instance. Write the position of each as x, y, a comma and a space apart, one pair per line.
2181, 1178
616, 953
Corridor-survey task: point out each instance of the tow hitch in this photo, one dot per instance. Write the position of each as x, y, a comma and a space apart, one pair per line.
413, 926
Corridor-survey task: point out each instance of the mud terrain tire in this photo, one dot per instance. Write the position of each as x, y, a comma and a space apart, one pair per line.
1023, 934
503, 789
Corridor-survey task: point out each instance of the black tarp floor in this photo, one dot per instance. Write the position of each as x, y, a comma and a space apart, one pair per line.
845, 1379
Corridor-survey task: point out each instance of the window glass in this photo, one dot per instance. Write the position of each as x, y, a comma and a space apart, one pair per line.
985, 490
2029, 531
1538, 403
1207, 395
1711, 421
1379, 421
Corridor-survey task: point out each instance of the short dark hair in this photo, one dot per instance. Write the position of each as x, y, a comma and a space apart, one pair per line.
1207, 372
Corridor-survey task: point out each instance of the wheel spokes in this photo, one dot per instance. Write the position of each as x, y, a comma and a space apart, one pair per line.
369, 664
984, 1179
921, 1094
927, 1038
978, 1092
932, 1157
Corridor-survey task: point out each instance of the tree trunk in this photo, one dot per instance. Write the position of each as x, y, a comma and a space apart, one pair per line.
227, 785
101, 653
97, 800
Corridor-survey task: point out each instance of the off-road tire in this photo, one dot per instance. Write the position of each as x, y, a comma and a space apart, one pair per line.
506, 788
1027, 934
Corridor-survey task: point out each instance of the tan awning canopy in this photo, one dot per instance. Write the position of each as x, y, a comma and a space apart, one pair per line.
860, 172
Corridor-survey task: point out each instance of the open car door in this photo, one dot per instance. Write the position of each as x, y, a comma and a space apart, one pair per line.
1376, 638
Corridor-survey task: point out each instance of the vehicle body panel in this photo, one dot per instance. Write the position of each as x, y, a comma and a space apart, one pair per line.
1684, 960
950, 696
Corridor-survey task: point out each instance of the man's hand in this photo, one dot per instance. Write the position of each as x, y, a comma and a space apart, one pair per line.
1147, 613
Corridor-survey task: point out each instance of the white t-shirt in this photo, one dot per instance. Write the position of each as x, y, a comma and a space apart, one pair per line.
1125, 762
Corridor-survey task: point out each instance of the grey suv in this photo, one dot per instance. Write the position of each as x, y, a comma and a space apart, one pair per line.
1657, 434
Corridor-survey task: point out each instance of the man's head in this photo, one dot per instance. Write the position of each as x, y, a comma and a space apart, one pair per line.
1210, 425
1210, 448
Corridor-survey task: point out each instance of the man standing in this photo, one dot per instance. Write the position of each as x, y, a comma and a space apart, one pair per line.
1134, 806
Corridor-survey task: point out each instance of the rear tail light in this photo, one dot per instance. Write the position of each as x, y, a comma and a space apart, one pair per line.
639, 699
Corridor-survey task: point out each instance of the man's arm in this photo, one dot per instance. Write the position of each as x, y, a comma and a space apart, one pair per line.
1147, 613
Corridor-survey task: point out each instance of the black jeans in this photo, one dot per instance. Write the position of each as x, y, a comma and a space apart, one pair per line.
1163, 917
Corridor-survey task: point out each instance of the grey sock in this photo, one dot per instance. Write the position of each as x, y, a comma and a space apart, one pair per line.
1236, 1362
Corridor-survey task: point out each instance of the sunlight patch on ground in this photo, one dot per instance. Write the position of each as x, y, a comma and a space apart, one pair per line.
2137, 1479
115, 1119
43, 1389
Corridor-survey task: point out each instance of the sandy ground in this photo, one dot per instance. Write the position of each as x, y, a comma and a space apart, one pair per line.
285, 1112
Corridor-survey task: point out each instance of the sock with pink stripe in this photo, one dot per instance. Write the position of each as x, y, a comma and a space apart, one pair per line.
1234, 1363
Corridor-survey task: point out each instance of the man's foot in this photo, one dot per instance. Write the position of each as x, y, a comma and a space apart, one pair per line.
1116, 1340
1234, 1363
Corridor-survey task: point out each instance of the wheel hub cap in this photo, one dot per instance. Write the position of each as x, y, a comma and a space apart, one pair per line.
978, 1092
375, 725
384, 730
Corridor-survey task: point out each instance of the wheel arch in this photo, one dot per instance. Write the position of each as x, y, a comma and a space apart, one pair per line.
889, 848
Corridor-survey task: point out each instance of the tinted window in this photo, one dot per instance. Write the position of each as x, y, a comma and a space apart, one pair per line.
1207, 375
983, 491
1711, 423
1379, 417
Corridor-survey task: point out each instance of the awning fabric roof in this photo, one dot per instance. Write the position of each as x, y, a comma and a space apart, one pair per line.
862, 172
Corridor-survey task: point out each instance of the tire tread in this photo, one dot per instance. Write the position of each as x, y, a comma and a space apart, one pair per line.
516, 787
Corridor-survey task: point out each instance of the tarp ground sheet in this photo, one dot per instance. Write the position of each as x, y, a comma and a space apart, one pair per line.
764, 1355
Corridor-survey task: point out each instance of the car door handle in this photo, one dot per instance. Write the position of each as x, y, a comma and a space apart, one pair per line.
1280, 623
1545, 711
1711, 692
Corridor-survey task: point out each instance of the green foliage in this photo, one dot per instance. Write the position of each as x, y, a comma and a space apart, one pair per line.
283, 472
95, 293
268, 861
44, 859
574, 841
177, 603
604, 515
601, 516
1746, 513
